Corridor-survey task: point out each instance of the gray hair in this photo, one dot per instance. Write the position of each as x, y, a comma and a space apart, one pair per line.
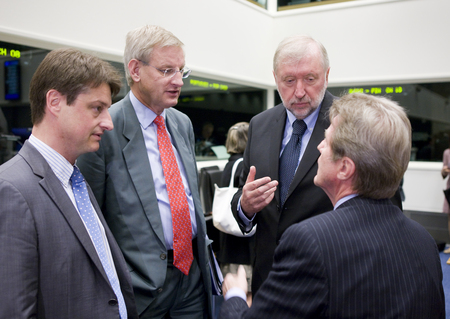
294, 48
141, 41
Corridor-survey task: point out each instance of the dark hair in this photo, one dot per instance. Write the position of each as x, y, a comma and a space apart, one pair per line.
70, 72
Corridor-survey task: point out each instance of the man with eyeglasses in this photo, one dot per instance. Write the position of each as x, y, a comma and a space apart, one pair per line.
144, 177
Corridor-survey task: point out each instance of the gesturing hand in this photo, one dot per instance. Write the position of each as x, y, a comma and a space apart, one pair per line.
257, 194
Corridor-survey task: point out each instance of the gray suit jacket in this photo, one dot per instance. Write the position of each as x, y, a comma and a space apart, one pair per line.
121, 179
49, 266
364, 260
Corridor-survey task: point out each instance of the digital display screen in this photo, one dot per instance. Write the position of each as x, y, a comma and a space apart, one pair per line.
12, 80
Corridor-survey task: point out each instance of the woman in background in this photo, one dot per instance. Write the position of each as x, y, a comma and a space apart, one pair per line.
235, 251
444, 172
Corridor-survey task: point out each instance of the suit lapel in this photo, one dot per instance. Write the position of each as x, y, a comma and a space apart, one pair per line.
52, 186
138, 166
186, 152
276, 137
182, 146
187, 157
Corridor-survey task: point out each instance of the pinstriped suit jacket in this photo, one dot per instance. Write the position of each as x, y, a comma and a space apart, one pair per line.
363, 260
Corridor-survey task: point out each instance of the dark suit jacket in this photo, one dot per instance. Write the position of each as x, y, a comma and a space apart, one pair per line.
304, 199
364, 260
121, 179
49, 266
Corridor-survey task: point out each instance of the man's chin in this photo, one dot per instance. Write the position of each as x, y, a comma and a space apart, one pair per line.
302, 113
93, 147
317, 181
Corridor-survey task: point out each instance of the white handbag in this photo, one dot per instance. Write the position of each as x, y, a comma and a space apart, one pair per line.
223, 218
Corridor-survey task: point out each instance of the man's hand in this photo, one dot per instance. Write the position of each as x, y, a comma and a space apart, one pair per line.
238, 280
257, 194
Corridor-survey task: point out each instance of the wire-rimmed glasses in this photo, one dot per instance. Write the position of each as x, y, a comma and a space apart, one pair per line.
170, 73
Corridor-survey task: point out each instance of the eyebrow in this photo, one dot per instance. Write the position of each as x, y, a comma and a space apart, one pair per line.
99, 102
168, 66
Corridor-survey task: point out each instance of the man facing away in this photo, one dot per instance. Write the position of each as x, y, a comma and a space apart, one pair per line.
58, 257
145, 178
364, 259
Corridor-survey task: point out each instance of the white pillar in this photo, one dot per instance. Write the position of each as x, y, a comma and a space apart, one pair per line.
272, 6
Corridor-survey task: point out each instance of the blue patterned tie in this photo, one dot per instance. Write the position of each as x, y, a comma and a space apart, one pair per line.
87, 215
289, 159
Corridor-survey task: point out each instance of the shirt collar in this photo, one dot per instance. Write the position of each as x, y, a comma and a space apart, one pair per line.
310, 120
59, 165
143, 113
344, 199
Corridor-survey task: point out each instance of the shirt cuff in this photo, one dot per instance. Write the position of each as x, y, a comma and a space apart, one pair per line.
235, 292
248, 223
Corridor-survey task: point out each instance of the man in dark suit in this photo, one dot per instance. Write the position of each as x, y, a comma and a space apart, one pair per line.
301, 71
129, 180
55, 263
364, 259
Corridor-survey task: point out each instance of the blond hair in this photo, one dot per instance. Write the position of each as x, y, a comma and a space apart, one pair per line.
237, 138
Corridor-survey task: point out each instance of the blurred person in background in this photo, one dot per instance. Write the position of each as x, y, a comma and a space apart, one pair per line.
236, 250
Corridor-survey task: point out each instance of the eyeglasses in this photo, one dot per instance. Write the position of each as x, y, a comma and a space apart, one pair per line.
170, 73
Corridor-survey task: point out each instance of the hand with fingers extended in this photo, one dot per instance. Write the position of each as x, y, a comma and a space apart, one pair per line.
238, 280
257, 194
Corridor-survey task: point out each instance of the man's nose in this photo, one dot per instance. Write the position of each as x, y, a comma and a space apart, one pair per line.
299, 89
106, 122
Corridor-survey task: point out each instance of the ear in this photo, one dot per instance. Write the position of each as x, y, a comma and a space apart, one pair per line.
134, 69
54, 101
326, 75
347, 169
275, 76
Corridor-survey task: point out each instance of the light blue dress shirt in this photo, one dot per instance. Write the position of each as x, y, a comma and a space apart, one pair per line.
149, 131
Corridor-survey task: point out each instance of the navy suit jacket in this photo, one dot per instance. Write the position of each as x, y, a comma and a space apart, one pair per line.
366, 259
48, 264
121, 179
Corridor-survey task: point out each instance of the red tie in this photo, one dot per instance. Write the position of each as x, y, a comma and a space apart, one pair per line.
181, 218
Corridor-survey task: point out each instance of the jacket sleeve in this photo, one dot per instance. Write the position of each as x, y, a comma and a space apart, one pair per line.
297, 283
18, 255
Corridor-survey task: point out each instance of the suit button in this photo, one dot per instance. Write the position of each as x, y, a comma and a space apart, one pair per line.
163, 256
160, 290
113, 302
